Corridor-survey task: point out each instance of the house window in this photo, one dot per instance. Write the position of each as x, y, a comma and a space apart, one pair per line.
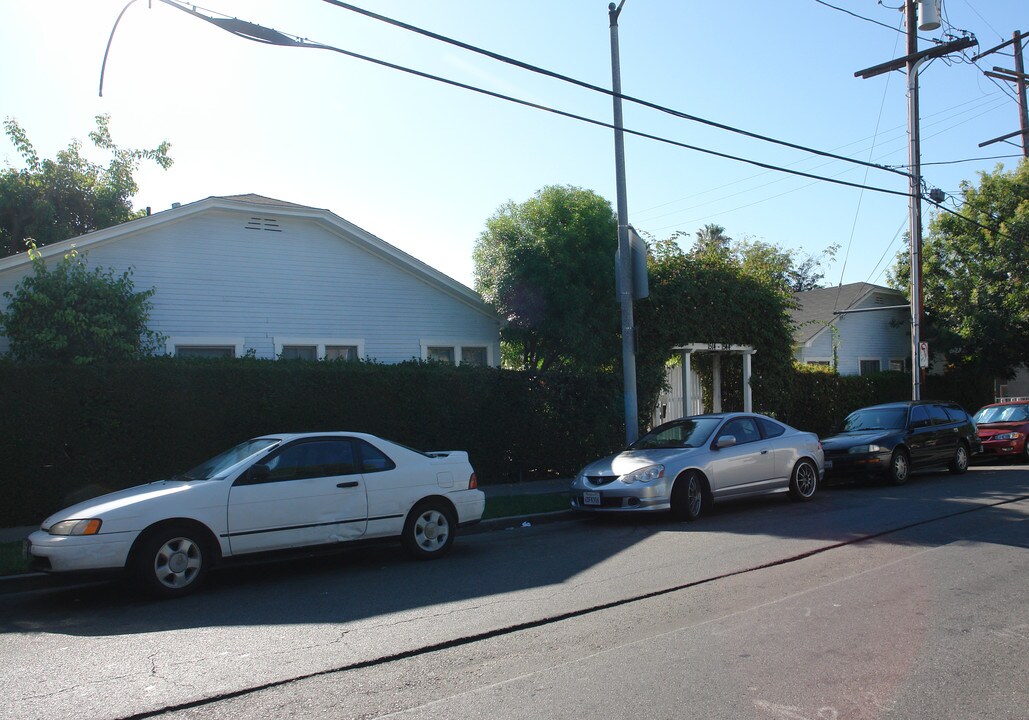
316, 348
440, 354
474, 356
869, 367
341, 352
199, 351
897, 365
299, 352
204, 346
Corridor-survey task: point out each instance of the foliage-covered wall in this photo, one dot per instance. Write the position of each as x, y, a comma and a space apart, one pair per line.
69, 432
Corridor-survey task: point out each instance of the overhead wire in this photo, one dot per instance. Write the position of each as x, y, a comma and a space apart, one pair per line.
297, 41
589, 86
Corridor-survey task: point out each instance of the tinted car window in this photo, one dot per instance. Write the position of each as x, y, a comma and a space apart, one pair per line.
320, 458
882, 418
771, 429
743, 429
955, 413
919, 417
938, 415
373, 459
688, 432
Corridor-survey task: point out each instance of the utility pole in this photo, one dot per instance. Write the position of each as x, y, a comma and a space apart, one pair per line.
911, 63
914, 200
1018, 77
625, 291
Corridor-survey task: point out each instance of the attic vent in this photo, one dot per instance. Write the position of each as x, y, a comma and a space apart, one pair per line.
268, 224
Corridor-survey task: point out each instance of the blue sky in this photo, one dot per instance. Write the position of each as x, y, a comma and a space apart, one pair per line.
423, 165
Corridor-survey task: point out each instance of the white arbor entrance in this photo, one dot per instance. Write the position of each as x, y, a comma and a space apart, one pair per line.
686, 396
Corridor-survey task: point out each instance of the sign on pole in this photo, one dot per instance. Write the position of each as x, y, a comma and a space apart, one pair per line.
923, 355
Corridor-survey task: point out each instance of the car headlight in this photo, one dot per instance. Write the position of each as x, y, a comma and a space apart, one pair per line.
647, 474
76, 527
1008, 436
873, 448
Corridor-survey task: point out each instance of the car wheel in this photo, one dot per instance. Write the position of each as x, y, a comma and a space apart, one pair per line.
960, 462
689, 497
900, 467
429, 530
804, 481
172, 561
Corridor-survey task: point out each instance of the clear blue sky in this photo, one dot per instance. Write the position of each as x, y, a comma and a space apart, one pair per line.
423, 165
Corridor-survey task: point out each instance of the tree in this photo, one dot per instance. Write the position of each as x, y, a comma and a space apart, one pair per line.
975, 273
708, 298
547, 265
789, 269
69, 314
53, 200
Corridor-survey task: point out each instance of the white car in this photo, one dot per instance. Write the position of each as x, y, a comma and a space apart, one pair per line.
269, 493
685, 465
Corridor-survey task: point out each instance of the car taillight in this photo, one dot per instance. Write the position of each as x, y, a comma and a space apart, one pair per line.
473, 482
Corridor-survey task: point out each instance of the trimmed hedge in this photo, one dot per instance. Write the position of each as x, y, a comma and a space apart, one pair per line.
71, 432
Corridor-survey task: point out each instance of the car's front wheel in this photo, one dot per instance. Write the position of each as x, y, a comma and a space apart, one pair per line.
689, 497
804, 481
900, 467
429, 530
959, 463
172, 560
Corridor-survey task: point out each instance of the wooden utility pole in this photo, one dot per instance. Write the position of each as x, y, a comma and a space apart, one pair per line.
1018, 77
910, 63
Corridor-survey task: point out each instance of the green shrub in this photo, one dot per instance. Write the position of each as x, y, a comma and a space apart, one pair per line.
72, 432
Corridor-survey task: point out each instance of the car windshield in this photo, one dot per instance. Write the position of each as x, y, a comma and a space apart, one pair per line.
876, 419
1003, 413
219, 463
685, 433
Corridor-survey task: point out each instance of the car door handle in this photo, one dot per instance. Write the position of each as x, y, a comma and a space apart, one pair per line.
352, 483
764, 452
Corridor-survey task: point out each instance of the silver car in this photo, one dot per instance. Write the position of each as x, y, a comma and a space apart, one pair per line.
685, 465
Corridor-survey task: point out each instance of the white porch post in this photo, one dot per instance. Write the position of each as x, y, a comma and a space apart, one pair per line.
716, 383
687, 385
748, 399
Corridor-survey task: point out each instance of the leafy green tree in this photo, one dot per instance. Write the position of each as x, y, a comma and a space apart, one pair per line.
712, 299
975, 276
53, 200
69, 314
548, 266
788, 269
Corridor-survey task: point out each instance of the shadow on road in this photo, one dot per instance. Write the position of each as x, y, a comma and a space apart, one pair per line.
367, 582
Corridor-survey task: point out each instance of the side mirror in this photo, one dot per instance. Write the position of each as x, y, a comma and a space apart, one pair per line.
725, 441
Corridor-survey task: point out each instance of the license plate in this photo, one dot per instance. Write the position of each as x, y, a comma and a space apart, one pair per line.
590, 498
828, 464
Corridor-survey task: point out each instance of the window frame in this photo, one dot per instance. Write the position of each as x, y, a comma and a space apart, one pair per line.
877, 360
319, 343
456, 345
174, 342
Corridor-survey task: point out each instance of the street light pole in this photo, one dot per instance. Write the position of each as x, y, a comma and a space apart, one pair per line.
624, 253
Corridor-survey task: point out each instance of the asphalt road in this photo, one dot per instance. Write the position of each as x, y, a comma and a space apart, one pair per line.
869, 602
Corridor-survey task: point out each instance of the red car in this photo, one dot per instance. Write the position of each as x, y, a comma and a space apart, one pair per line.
1003, 428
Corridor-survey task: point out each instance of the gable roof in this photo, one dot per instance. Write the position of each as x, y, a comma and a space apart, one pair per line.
250, 202
816, 309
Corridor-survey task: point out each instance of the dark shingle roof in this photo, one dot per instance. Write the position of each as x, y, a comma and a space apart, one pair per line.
816, 308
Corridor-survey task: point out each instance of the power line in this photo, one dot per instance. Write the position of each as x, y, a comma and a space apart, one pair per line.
596, 88
249, 30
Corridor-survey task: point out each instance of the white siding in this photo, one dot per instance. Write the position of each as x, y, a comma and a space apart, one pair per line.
884, 335
215, 278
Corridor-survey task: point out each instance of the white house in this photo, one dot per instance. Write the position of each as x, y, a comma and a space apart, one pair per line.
865, 328
249, 274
